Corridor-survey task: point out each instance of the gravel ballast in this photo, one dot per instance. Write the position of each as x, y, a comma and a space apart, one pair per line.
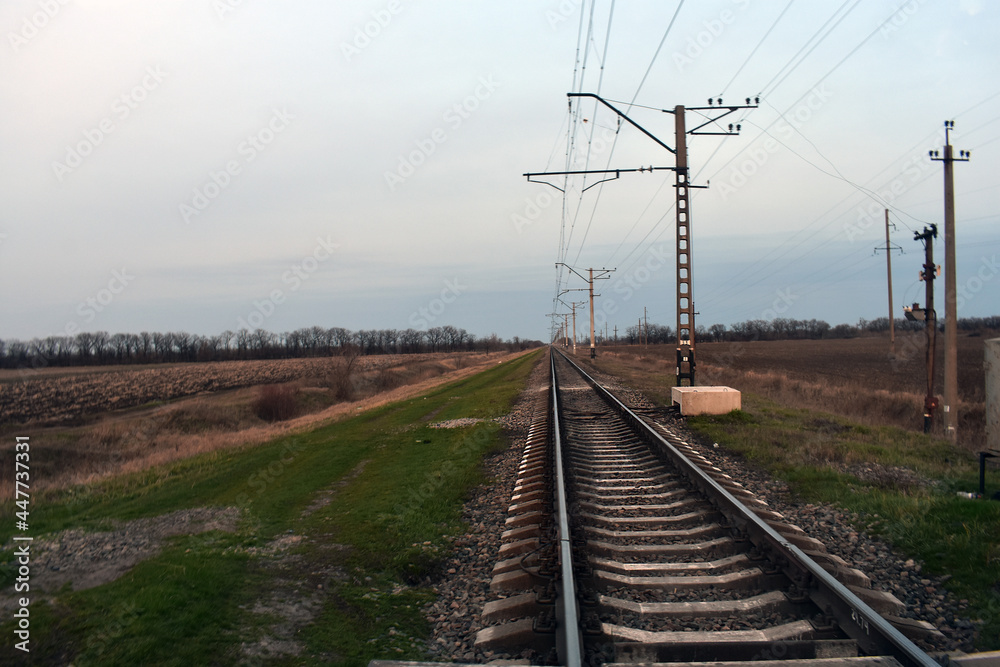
463, 585
924, 596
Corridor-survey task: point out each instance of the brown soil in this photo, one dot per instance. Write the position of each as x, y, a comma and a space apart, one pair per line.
867, 361
123, 441
858, 378
72, 395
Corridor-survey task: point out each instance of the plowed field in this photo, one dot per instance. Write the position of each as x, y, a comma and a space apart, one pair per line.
64, 395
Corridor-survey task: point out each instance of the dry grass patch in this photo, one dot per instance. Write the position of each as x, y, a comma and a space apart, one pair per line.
140, 438
276, 402
856, 378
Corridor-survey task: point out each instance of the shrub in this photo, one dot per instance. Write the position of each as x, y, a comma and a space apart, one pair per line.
340, 376
276, 402
387, 379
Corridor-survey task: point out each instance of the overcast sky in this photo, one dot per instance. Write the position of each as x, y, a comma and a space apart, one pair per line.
207, 165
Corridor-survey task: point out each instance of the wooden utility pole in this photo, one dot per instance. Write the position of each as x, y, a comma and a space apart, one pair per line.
573, 306
603, 274
950, 285
888, 271
888, 268
562, 331
593, 344
574, 326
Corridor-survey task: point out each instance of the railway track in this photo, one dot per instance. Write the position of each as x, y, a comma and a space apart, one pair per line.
624, 545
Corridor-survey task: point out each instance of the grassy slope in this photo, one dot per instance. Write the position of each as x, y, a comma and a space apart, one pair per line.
812, 451
186, 606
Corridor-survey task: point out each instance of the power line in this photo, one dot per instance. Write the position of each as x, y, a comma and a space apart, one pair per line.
614, 143
767, 258
817, 83
823, 78
766, 90
593, 127
570, 138
779, 78
657, 53
754, 51
583, 74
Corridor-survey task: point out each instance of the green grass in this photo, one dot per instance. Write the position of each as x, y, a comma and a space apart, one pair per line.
400, 500
818, 455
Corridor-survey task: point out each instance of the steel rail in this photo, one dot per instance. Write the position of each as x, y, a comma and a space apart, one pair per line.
569, 639
874, 634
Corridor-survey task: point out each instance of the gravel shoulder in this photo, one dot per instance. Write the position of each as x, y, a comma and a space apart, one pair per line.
463, 584
924, 595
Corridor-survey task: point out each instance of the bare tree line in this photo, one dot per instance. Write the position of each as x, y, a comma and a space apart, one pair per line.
787, 329
100, 347
790, 329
